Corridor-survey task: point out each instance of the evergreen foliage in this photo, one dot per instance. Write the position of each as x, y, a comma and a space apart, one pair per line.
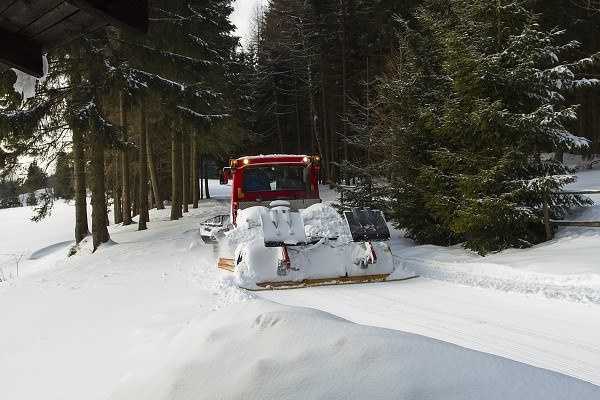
311, 60
63, 177
179, 70
31, 199
472, 101
443, 113
36, 179
9, 193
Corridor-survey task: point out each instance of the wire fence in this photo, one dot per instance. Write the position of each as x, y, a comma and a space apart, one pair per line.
9, 265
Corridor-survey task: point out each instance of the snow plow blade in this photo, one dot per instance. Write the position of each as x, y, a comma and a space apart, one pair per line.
367, 225
213, 229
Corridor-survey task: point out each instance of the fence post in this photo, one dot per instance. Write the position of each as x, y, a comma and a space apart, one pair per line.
20, 257
547, 218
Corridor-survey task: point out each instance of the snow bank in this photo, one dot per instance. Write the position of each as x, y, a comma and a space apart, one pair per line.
26, 243
428, 261
40, 246
260, 350
19, 234
77, 326
566, 267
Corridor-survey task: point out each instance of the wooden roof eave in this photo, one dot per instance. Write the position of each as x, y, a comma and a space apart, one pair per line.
27, 30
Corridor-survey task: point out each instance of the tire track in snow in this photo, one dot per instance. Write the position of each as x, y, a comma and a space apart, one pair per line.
551, 334
578, 288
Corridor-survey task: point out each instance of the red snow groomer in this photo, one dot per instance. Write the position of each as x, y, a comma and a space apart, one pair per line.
283, 236
260, 180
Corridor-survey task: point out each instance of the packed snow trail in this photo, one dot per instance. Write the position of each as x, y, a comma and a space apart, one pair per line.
557, 335
148, 316
152, 314
538, 306
75, 328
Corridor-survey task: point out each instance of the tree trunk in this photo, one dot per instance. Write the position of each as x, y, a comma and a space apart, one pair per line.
126, 202
279, 132
107, 222
117, 214
311, 99
344, 87
314, 128
201, 167
135, 210
326, 145
158, 201
143, 185
81, 220
298, 129
175, 173
99, 229
190, 169
194, 168
184, 174
333, 144
368, 115
206, 180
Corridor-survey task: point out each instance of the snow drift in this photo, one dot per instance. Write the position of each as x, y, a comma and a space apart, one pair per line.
260, 350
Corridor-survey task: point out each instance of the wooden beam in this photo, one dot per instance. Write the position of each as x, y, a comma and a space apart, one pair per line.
126, 14
227, 264
19, 52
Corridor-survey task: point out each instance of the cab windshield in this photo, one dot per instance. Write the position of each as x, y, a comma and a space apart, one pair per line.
275, 178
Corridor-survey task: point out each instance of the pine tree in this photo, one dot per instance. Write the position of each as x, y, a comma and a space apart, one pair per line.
178, 72
143, 183
9, 193
63, 177
36, 178
311, 60
474, 98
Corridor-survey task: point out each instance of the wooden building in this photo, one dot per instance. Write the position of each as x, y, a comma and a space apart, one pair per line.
29, 28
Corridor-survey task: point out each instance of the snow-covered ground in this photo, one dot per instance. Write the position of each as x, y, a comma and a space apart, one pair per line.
23, 241
565, 268
261, 350
150, 317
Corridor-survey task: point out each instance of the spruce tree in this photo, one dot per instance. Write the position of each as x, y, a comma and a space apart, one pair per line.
473, 101
36, 178
510, 82
63, 177
9, 193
